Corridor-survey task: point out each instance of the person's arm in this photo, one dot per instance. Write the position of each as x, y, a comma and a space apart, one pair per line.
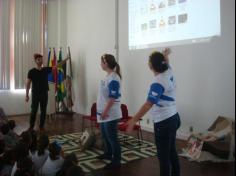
28, 83
62, 62
142, 111
104, 114
166, 52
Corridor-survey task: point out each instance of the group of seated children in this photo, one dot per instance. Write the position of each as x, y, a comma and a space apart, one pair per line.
30, 154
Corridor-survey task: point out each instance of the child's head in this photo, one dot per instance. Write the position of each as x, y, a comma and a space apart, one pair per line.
21, 150
70, 160
55, 150
12, 124
42, 144
75, 171
5, 129
26, 138
24, 167
108, 61
157, 62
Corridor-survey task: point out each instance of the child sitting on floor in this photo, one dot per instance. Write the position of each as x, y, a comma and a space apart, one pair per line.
54, 161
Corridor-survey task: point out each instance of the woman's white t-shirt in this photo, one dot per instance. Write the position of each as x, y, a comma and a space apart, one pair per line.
109, 88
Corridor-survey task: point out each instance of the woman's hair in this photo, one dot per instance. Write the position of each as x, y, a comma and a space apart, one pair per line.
55, 150
111, 63
43, 143
158, 62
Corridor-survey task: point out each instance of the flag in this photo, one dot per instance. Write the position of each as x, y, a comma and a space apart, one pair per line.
52, 62
69, 82
61, 93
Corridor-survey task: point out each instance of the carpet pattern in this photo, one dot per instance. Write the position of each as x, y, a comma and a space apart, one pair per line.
132, 149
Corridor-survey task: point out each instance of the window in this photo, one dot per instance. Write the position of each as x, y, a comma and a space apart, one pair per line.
22, 28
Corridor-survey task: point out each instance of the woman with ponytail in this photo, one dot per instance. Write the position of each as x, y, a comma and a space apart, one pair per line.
108, 110
161, 101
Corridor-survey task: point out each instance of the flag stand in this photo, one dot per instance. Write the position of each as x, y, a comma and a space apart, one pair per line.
62, 80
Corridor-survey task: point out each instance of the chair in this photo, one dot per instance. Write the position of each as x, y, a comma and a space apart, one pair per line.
123, 127
92, 118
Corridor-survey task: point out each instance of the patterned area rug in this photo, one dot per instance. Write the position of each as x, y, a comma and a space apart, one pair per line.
132, 149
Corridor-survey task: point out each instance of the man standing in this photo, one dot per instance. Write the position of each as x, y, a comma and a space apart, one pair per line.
38, 76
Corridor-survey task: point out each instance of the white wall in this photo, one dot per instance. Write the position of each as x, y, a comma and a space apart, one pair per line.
205, 73
13, 102
57, 37
91, 33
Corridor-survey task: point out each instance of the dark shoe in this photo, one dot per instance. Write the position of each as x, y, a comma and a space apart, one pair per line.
104, 157
112, 166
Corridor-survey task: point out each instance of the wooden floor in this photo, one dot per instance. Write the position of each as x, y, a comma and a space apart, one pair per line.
61, 124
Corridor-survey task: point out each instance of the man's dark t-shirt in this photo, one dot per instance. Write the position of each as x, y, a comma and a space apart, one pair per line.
39, 80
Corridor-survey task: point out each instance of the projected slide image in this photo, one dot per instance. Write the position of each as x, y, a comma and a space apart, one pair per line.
162, 23
162, 5
153, 7
153, 24
144, 27
183, 18
172, 22
171, 2
182, 1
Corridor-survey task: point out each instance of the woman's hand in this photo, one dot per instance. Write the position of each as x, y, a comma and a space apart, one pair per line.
130, 125
27, 98
166, 52
104, 116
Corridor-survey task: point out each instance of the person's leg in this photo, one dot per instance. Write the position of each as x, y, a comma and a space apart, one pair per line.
34, 109
162, 137
107, 147
43, 108
111, 131
175, 166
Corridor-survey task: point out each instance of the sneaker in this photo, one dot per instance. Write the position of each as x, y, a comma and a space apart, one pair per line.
112, 166
104, 157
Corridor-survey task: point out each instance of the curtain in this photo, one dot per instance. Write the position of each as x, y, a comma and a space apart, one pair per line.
4, 45
28, 37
